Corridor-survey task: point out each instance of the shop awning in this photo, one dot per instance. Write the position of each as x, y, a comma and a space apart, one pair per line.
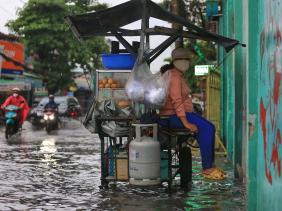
109, 22
7, 85
103, 23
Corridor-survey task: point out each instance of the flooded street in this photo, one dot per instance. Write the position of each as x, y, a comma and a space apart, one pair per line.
61, 171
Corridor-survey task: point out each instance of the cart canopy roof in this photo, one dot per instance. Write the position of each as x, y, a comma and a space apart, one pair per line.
105, 22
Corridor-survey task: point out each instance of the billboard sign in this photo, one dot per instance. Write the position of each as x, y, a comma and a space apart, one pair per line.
14, 51
202, 69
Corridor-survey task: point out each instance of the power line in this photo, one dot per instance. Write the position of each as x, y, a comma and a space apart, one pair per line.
17, 63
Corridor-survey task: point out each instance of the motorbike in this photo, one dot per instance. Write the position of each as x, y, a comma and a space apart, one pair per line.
12, 121
51, 120
73, 112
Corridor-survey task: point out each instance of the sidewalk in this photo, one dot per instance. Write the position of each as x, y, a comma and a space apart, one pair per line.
223, 195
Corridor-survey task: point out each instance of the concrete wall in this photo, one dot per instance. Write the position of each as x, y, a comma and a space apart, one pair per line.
253, 98
270, 104
234, 97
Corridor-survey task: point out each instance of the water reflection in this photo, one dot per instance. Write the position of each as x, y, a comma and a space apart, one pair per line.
48, 149
62, 172
204, 195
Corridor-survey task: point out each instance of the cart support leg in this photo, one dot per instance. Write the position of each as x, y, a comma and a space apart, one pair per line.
169, 165
104, 183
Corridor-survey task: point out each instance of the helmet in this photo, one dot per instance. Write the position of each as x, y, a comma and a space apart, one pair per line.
51, 96
16, 89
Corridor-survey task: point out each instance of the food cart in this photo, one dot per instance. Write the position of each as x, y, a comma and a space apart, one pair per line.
116, 155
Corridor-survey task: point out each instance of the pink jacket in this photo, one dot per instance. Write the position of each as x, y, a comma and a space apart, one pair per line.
178, 100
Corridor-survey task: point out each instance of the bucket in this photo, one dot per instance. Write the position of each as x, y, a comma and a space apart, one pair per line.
212, 7
118, 61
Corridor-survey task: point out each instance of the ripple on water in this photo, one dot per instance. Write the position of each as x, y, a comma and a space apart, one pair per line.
61, 172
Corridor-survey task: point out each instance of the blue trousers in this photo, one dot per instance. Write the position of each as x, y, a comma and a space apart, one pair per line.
205, 135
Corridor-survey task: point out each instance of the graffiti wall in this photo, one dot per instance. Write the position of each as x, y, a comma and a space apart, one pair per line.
262, 32
270, 100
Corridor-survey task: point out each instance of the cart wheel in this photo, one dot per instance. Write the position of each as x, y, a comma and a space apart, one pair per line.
104, 185
185, 167
192, 142
8, 131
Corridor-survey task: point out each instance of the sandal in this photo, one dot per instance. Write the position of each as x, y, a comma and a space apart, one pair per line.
215, 174
219, 169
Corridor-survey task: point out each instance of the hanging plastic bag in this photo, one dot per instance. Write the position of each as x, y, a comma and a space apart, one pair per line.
156, 89
134, 86
144, 86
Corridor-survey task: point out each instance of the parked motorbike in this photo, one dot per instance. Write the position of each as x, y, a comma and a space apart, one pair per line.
51, 120
11, 120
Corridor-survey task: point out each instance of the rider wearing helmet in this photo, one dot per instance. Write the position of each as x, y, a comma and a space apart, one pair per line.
51, 104
17, 100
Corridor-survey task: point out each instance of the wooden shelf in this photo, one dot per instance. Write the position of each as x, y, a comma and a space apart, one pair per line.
112, 88
113, 178
114, 71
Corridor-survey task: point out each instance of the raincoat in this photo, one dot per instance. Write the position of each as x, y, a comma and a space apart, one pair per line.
20, 102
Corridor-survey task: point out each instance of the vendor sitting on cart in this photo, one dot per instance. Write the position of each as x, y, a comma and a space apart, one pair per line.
179, 108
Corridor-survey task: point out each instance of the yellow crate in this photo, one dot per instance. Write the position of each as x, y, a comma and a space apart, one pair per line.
122, 166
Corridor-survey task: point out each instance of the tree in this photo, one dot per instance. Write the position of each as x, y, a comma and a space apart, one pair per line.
51, 43
202, 52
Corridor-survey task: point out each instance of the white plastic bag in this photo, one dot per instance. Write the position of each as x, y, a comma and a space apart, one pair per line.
134, 86
144, 86
156, 89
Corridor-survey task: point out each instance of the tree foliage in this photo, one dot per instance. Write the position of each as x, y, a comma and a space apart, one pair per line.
192, 10
50, 42
202, 52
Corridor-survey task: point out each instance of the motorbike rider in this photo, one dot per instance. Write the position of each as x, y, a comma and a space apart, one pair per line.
51, 104
17, 100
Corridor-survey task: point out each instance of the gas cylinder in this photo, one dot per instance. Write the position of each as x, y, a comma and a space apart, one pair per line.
144, 157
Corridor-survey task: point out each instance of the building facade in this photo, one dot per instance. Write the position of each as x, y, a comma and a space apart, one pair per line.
252, 97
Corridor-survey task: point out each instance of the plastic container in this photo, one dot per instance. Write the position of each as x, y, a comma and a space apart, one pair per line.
111, 162
212, 7
118, 61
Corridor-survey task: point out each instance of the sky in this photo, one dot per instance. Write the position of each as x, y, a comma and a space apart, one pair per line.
8, 11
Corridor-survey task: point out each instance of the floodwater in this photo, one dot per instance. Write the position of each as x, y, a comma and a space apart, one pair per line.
61, 172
